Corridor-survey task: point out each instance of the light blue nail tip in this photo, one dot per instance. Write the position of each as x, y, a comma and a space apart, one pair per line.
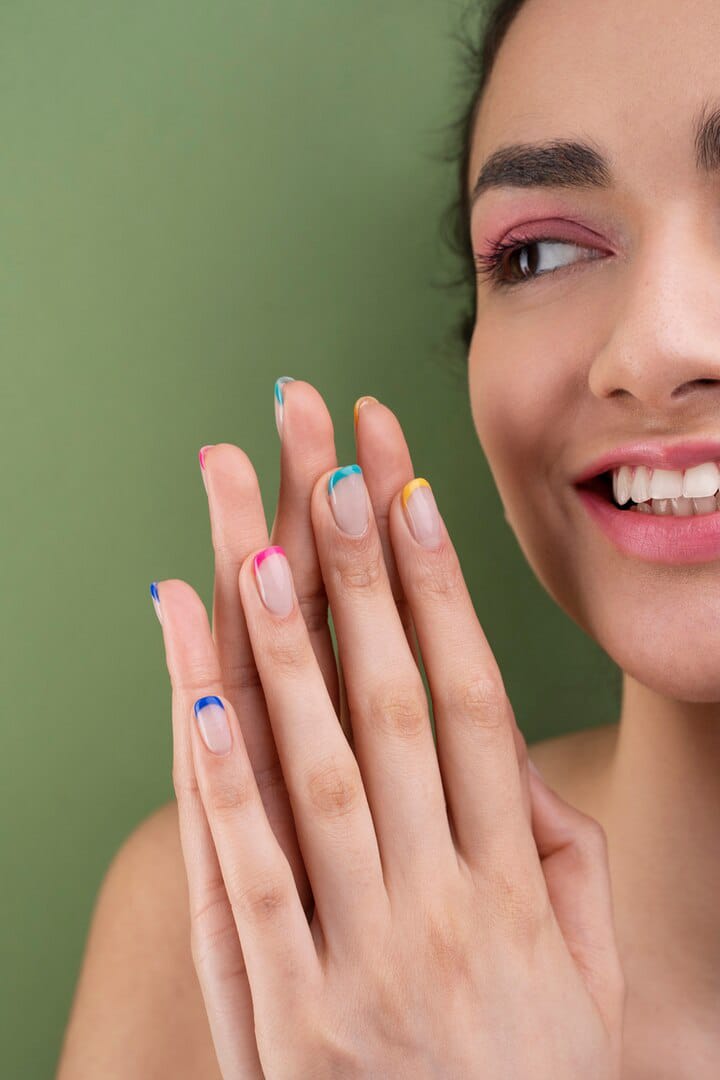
154, 591
346, 470
278, 383
209, 700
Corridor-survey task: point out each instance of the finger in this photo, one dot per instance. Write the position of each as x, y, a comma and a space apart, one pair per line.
388, 704
332, 817
384, 457
574, 853
237, 520
307, 450
277, 942
217, 954
473, 719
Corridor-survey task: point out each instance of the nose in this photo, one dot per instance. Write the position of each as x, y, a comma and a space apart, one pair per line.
664, 349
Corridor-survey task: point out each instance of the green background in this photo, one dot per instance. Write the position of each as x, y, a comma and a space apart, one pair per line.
194, 200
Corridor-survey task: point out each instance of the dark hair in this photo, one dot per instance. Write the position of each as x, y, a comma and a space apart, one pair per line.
480, 50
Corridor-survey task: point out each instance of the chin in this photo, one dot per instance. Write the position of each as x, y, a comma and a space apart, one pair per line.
659, 624
666, 634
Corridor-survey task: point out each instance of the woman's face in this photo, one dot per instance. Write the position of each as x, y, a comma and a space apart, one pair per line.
616, 337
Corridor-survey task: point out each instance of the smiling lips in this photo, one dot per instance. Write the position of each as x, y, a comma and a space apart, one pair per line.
671, 499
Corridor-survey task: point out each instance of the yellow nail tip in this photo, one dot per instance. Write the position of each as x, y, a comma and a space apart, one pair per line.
407, 491
358, 405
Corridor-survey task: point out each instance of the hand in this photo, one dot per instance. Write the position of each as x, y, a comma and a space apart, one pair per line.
238, 527
465, 939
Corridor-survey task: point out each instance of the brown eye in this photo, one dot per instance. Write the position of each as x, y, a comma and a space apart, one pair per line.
532, 262
507, 264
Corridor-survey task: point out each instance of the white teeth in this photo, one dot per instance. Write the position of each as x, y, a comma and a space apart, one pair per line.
640, 487
666, 484
702, 481
641, 484
622, 479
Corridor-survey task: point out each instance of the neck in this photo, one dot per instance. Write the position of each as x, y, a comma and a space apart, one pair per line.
661, 812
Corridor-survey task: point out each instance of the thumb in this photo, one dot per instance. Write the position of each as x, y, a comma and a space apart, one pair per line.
574, 855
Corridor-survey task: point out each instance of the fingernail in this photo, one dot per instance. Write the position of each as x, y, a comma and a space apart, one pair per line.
213, 724
348, 500
533, 766
156, 599
422, 512
272, 574
279, 401
201, 458
358, 406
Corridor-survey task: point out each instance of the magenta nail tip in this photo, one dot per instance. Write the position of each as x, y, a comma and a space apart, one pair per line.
275, 549
201, 454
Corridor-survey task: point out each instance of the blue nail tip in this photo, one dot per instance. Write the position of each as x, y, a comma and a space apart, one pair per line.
346, 470
278, 383
154, 591
209, 700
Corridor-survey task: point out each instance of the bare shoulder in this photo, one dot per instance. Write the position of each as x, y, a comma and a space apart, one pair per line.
575, 764
138, 1008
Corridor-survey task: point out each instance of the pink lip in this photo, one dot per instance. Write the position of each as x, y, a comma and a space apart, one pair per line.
682, 455
652, 537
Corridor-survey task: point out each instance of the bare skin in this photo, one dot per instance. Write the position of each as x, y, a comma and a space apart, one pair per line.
560, 370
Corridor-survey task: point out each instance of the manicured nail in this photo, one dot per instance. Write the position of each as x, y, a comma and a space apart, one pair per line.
279, 401
534, 768
274, 582
422, 512
348, 499
213, 724
156, 599
201, 458
358, 406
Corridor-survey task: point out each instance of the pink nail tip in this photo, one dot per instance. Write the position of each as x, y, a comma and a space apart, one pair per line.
201, 454
262, 555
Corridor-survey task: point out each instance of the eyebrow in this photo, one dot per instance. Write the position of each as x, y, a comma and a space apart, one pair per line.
577, 164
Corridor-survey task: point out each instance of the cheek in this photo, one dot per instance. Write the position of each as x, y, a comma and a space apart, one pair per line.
518, 393
524, 390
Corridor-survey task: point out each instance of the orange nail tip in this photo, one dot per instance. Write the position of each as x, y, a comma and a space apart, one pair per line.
407, 491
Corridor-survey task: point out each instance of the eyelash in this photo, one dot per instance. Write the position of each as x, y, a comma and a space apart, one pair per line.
490, 265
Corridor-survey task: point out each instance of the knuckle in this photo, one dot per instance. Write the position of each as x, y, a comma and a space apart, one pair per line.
358, 571
287, 652
481, 701
196, 674
519, 902
260, 899
227, 795
439, 579
333, 788
448, 946
397, 710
